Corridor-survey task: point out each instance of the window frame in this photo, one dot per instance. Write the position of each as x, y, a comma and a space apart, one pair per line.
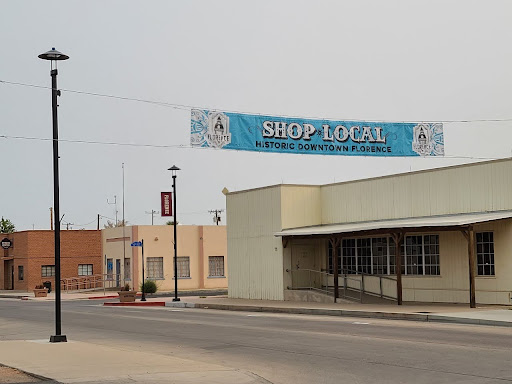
158, 260
87, 267
181, 259
422, 247
46, 268
21, 273
216, 257
482, 254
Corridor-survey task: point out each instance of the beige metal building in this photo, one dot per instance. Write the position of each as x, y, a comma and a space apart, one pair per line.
453, 226
201, 256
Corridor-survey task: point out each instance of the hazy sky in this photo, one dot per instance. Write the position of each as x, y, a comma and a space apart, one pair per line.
362, 60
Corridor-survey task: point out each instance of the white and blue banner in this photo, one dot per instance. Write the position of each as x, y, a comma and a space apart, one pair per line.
244, 132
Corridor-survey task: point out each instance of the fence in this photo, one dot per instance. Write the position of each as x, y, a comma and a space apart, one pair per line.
352, 285
92, 282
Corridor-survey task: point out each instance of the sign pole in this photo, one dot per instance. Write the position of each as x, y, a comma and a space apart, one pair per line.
143, 280
176, 298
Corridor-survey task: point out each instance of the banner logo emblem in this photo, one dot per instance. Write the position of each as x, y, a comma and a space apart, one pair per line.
425, 141
218, 134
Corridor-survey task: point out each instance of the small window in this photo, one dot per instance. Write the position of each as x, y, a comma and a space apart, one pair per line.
216, 265
20, 273
155, 267
485, 253
183, 266
84, 269
110, 269
48, 270
349, 258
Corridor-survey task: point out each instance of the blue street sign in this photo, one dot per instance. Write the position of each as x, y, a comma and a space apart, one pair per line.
137, 244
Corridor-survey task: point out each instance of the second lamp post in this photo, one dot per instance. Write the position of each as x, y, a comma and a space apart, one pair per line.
173, 170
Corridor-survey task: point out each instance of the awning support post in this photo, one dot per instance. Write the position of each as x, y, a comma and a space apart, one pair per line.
335, 243
469, 234
398, 237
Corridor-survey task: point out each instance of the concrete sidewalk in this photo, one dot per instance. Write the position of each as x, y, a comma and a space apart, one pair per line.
437, 312
80, 362
9, 294
493, 315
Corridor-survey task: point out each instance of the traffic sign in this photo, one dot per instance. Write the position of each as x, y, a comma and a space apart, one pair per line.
137, 244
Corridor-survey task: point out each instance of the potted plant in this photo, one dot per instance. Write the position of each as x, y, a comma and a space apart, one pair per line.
40, 291
125, 295
149, 287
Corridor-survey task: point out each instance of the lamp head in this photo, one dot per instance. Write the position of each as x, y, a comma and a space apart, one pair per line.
173, 170
53, 55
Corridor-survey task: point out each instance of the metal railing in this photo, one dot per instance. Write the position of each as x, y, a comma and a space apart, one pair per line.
352, 285
321, 281
383, 286
92, 282
310, 279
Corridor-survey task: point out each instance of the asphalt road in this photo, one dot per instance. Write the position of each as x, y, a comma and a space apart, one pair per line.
282, 348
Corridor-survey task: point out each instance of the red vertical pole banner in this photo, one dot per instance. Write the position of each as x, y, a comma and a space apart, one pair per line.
166, 203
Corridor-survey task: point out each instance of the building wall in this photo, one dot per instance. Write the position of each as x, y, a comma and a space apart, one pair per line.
451, 286
18, 253
195, 242
214, 239
33, 249
113, 240
259, 262
301, 206
255, 255
462, 189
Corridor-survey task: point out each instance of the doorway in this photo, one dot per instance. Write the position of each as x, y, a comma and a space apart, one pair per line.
304, 266
118, 272
9, 274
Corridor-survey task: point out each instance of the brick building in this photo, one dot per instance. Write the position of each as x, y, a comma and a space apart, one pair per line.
30, 260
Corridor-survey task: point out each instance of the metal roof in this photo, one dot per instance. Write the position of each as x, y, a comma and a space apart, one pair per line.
454, 220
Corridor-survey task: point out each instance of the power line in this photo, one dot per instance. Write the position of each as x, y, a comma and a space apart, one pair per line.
160, 103
96, 142
182, 146
188, 107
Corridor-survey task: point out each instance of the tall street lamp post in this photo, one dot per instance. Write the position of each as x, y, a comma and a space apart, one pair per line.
54, 56
173, 170
143, 279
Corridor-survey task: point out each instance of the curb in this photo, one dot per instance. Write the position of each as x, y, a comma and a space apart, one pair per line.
346, 313
107, 297
43, 379
137, 304
21, 296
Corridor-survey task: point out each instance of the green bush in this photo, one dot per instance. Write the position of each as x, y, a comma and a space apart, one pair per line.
149, 287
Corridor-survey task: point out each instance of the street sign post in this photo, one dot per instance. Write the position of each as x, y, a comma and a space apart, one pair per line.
141, 244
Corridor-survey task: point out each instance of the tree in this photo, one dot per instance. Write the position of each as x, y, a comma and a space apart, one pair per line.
120, 223
171, 222
6, 226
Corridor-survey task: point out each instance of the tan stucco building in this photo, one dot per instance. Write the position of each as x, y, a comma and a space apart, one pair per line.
202, 256
285, 240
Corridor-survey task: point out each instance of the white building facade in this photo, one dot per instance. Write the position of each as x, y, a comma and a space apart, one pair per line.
442, 235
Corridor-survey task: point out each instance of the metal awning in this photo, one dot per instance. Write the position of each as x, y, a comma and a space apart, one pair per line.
425, 222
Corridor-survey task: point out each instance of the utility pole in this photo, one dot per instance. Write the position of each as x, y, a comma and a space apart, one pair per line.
216, 215
115, 202
124, 235
152, 213
51, 218
98, 222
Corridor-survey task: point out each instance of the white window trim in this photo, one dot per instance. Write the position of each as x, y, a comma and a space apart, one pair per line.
403, 254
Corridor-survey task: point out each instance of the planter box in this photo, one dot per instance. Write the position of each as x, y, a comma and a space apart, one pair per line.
127, 296
40, 292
